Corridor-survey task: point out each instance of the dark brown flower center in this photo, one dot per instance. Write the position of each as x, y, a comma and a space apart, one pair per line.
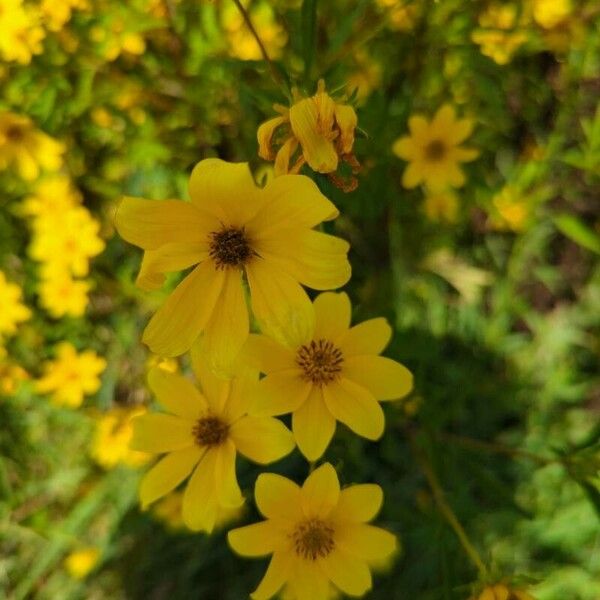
313, 539
435, 150
14, 133
320, 360
229, 247
210, 431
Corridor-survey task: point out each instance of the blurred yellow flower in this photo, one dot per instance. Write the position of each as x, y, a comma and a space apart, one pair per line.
550, 13
501, 591
12, 311
71, 375
318, 535
441, 206
365, 77
26, 147
433, 150
21, 36
58, 12
401, 15
334, 373
511, 210
241, 42
201, 436
234, 229
319, 127
11, 374
51, 197
62, 295
80, 563
113, 433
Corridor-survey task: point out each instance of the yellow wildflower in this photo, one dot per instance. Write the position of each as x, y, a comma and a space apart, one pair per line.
511, 210
62, 295
318, 535
441, 206
433, 150
334, 373
52, 196
21, 34
13, 310
81, 562
317, 130
242, 43
233, 228
501, 591
71, 376
58, 12
110, 446
550, 13
26, 147
401, 15
11, 374
203, 433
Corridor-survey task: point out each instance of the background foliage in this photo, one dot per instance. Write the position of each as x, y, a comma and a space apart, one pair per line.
494, 296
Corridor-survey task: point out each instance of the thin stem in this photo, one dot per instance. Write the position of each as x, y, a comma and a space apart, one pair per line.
263, 50
446, 511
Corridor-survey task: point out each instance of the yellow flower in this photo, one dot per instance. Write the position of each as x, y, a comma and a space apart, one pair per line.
433, 150
203, 433
441, 206
71, 376
401, 15
321, 128
234, 229
62, 295
501, 591
26, 147
58, 12
511, 210
334, 373
13, 310
550, 13
316, 533
110, 446
66, 241
11, 375
21, 35
80, 562
51, 197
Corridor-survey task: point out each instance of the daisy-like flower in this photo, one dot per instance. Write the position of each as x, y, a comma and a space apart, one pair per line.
433, 150
201, 436
316, 130
318, 535
501, 591
333, 374
62, 295
26, 147
13, 310
236, 232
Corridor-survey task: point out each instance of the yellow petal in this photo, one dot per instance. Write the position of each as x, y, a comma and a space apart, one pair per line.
262, 439
265, 134
313, 426
149, 279
465, 154
359, 503
277, 497
199, 506
348, 573
315, 259
280, 393
418, 126
267, 355
366, 541
461, 130
291, 201
385, 378
151, 223
308, 582
177, 393
412, 176
320, 492
354, 406
228, 327
280, 304
368, 337
501, 592
215, 389
347, 121
404, 148
179, 321
228, 490
241, 395
314, 135
332, 312
258, 539
167, 474
225, 190
443, 121
161, 433
282, 160
277, 574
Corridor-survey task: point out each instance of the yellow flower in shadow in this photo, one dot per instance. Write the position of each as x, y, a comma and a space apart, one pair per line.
501, 591
433, 150
318, 536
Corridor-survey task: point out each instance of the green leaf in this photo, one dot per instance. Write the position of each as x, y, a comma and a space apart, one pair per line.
309, 35
575, 230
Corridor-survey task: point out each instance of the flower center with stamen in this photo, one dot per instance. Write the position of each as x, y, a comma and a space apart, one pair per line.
14, 133
210, 431
435, 151
320, 360
229, 247
313, 539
